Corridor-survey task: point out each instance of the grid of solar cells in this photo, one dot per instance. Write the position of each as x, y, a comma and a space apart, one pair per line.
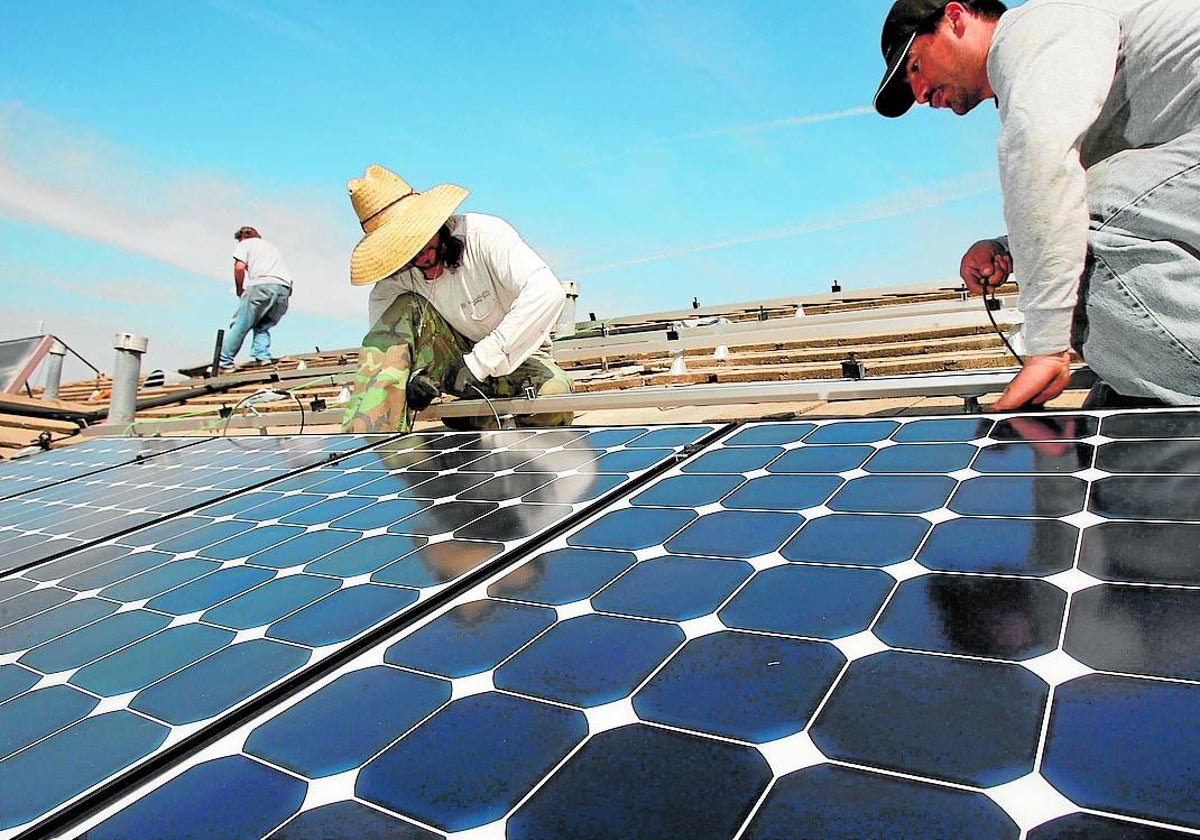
77, 459
122, 650
46, 523
948, 627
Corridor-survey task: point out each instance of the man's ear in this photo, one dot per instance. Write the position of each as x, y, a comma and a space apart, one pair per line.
956, 14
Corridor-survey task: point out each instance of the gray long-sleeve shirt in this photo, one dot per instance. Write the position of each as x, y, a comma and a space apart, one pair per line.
1077, 81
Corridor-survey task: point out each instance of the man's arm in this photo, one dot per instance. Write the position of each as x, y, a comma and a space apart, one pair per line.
239, 275
1052, 70
539, 299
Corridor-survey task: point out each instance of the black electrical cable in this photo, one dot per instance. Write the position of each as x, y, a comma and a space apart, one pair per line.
260, 395
988, 309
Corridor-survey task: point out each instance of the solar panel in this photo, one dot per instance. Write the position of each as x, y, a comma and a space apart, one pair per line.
47, 522
79, 459
946, 627
142, 641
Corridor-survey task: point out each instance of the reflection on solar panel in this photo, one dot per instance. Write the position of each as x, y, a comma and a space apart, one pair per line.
921, 628
45, 523
123, 650
78, 460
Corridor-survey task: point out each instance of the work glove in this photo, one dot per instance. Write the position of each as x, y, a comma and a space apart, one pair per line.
462, 379
421, 391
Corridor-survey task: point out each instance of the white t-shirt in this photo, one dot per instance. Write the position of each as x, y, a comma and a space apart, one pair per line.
1077, 81
264, 263
503, 297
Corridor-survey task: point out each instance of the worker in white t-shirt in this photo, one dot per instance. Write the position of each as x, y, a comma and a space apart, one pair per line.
460, 305
1099, 105
264, 286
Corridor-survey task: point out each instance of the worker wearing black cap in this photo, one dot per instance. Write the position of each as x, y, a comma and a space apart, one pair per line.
1099, 156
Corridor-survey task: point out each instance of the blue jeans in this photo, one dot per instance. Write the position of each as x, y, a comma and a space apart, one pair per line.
1137, 322
260, 308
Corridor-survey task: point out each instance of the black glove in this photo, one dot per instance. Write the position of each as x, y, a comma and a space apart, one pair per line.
463, 379
421, 391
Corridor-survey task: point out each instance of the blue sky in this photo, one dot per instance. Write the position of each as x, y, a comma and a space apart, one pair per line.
652, 151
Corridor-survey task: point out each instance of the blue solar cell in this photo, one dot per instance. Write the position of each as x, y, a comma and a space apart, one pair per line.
853, 432
75, 562
562, 576
303, 549
1033, 458
822, 459
644, 783
340, 482
783, 492
88, 644
734, 460
209, 590
342, 615
471, 638
314, 737
448, 516
841, 803
1145, 763
1003, 546
278, 508
741, 685
150, 659
514, 522
438, 563
379, 514
965, 721
388, 484
1013, 495
109, 573
893, 494
250, 542
605, 438
943, 430
32, 603
1141, 552
857, 539
505, 487
471, 762
631, 460
774, 434
326, 511
688, 490
921, 458
208, 535
735, 534
676, 436
54, 622
231, 797
576, 488
1079, 826
244, 501
14, 680
444, 486
349, 820
51, 772
996, 618
159, 580
827, 603
39, 713
271, 601
213, 685
590, 660
162, 531
1146, 497
673, 588
1136, 630
366, 555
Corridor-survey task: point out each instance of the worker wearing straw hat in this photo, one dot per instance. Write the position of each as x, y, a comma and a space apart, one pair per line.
460, 305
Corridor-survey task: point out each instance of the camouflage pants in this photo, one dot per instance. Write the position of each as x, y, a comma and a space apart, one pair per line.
412, 337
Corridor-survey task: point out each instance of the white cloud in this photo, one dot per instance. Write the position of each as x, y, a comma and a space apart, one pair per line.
884, 207
58, 176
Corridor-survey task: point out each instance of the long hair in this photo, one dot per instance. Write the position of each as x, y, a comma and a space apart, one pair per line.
450, 248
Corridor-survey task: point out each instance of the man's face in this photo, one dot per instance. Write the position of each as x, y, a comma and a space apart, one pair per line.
427, 257
942, 71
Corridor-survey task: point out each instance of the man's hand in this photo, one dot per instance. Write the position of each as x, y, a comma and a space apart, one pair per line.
984, 266
421, 391
461, 378
1041, 378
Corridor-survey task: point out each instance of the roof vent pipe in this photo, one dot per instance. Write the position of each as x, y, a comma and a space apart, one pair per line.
54, 370
128, 365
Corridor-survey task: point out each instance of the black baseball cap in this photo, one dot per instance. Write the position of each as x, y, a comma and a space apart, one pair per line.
895, 97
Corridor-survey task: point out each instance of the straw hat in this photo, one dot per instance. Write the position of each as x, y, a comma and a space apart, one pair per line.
397, 221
